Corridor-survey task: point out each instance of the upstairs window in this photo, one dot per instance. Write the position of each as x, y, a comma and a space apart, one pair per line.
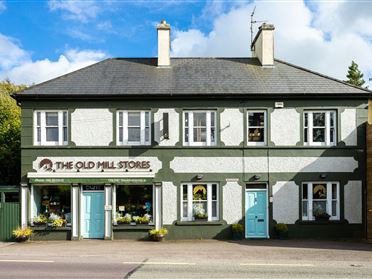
199, 128
320, 128
256, 128
50, 128
134, 128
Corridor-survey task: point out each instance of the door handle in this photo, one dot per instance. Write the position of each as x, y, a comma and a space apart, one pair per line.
260, 220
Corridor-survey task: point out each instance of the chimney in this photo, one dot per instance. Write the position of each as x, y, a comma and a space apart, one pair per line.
263, 45
163, 44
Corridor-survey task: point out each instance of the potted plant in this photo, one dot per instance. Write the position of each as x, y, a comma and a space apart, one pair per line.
281, 230
237, 231
145, 219
40, 220
158, 235
199, 213
22, 234
126, 219
321, 215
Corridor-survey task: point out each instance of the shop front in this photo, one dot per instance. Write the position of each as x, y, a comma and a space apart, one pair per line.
89, 199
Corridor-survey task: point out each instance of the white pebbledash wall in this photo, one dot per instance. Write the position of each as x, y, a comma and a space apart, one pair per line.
232, 202
353, 201
170, 205
286, 202
231, 127
285, 127
174, 126
92, 127
349, 127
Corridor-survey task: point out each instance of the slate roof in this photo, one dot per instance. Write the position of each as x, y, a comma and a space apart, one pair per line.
189, 77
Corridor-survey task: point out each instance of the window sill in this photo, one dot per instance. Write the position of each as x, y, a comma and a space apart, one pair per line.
325, 222
48, 228
199, 223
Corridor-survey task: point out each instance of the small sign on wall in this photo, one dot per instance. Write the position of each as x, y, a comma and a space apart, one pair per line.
108, 207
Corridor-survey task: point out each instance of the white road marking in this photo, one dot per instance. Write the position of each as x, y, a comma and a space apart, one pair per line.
278, 264
26, 261
159, 263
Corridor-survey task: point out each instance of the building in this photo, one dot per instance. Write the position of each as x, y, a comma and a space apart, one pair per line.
194, 145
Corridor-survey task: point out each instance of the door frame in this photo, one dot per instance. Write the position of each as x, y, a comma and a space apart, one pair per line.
81, 215
267, 209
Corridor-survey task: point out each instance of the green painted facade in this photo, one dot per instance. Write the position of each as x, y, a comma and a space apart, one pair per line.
218, 230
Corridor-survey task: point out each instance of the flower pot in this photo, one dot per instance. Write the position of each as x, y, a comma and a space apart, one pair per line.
282, 235
237, 235
22, 239
322, 218
157, 237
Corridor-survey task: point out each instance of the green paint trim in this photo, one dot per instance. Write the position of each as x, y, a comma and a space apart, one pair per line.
120, 181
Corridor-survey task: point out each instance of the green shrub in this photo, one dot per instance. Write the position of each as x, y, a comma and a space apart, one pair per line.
237, 228
281, 228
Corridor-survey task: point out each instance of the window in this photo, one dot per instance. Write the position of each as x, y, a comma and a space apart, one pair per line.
134, 203
134, 128
199, 202
51, 202
320, 128
199, 128
320, 197
256, 128
50, 128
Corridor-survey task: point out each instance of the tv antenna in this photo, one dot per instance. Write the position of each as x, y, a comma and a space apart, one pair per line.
254, 22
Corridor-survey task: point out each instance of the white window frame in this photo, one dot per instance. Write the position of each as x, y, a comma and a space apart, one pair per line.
190, 200
125, 141
43, 141
257, 143
208, 141
309, 200
328, 127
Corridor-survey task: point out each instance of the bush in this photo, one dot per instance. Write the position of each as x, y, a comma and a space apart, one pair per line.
281, 228
238, 228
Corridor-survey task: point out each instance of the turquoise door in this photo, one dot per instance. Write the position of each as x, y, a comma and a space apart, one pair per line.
256, 214
93, 217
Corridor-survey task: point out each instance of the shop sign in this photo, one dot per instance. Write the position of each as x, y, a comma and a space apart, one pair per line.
93, 188
91, 164
119, 181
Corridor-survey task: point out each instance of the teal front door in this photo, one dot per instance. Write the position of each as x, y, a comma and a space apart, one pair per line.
256, 214
93, 217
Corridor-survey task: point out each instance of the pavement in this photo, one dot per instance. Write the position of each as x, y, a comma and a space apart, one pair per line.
186, 259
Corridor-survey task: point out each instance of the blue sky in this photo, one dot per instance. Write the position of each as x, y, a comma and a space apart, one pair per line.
40, 40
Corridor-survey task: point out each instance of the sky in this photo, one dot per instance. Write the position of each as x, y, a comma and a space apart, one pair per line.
40, 40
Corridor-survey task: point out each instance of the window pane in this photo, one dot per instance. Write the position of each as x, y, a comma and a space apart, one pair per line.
147, 134
334, 208
332, 135
120, 134
214, 192
51, 118
304, 191
134, 119
304, 208
199, 210
64, 118
306, 119
334, 191
256, 119
38, 119
318, 135
256, 134
186, 119
134, 134
120, 119
38, 131
319, 206
200, 134
200, 119
213, 134
305, 134
332, 119
213, 116
51, 134
214, 209
65, 134
184, 209
184, 192
199, 192
147, 119
318, 119
186, 134
320, 191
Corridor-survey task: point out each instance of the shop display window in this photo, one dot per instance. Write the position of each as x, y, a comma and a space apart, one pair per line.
134, 204
52, 204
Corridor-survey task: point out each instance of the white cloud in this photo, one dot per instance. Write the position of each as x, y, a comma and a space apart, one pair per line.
16, 64
300, 36
76, 10
2, 6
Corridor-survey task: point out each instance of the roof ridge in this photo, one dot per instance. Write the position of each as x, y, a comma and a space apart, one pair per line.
60, 77
322, 75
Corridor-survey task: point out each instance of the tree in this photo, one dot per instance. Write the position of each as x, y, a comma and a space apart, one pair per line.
10, 134
354, 75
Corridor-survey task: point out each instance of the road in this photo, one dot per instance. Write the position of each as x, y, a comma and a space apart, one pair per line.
186, 259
